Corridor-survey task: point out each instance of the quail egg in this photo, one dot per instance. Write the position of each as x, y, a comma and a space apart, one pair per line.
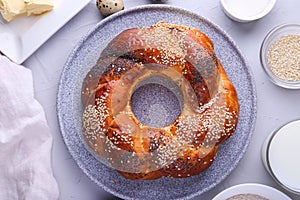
108, 7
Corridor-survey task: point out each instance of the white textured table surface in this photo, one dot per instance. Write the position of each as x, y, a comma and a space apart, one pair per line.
275, 105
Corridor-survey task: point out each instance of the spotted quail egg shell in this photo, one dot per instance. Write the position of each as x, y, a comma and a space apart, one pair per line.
108, 7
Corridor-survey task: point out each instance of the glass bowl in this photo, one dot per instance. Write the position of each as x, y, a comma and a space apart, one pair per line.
279, 154
273, 36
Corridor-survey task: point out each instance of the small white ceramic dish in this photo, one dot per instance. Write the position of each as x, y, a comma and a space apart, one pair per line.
252, 188
245, 10
24, 35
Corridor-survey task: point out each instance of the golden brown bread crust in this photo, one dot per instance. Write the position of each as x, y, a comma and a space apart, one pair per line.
182, 149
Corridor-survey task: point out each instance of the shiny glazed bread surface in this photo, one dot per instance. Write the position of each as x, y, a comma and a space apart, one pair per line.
209, 112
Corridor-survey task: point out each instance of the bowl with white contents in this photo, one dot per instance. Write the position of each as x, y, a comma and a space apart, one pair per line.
251, 191
280, 55
245, 10
280, 155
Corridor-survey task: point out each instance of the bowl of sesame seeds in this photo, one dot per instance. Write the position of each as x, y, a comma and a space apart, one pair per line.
280, 55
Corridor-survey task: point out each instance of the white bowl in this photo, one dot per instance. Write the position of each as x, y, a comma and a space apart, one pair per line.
247, 10
252, 188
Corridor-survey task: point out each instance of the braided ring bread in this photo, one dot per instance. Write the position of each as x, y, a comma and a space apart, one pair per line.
209, 114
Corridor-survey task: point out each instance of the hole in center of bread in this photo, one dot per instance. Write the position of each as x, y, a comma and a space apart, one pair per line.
155, 105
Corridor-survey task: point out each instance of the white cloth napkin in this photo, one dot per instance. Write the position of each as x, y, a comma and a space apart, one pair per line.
25, 139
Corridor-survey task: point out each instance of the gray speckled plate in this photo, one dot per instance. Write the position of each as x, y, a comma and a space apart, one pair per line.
69, 107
